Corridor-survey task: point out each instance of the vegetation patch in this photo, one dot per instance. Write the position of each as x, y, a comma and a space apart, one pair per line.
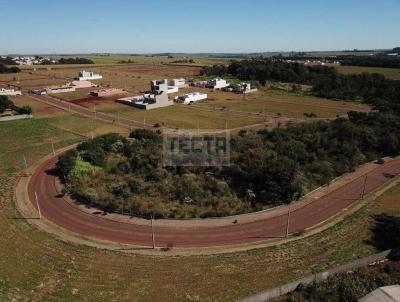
268, 168
7, 107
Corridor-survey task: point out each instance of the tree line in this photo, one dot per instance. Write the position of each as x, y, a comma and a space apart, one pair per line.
375, 61
7, 61
326, 81
7, 104
69, 61
5, 69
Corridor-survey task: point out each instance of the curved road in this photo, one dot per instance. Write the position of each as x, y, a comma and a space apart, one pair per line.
57, 210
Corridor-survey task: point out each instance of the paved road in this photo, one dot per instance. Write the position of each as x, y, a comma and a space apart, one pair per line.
57, 210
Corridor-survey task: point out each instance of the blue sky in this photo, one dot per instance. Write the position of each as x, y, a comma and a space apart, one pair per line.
59, 26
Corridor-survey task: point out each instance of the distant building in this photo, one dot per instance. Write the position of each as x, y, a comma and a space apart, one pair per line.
217, 84
177, 83
157, 98
11, 92
88, 75
190, 98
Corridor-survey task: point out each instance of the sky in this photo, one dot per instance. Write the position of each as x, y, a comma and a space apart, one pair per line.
195, 26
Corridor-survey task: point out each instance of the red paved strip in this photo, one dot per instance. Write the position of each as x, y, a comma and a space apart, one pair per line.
57, 210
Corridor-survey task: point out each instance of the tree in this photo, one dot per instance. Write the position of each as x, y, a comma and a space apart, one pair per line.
386, 231
5, 103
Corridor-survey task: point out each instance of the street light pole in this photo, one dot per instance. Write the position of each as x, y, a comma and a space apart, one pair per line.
288, 222
37, 204
364, 185
152, 232
26, 164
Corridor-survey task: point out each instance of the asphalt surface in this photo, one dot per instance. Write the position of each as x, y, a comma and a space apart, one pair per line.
56, 209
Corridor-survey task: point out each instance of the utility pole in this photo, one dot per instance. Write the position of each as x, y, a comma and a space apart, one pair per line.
364, 185
26, 164
37, 204
52, 147
152, 232
288, 222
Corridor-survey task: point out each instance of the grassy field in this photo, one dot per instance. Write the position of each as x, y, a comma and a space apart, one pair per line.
179, 117
391, 73
273, 102
38, 267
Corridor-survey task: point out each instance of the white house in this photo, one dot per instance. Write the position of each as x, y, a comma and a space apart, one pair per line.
190, 98
88, 75
177, 83
12, 92
157, 98
217, 84
243, 88
162, 86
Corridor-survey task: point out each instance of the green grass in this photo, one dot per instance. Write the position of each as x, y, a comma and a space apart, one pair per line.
391, 73
38, 267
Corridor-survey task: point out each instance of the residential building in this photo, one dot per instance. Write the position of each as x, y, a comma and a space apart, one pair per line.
11, 92
217, 84
157, 98
243, 88
177, 83
88, 75
162, 85
190, 98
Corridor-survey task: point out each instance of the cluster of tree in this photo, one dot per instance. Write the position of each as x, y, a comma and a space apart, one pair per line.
75, 61
5, 69
269, 167
7, 104
375, 61
7, 61
184, 61
386, 232
326, 81
129, 61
